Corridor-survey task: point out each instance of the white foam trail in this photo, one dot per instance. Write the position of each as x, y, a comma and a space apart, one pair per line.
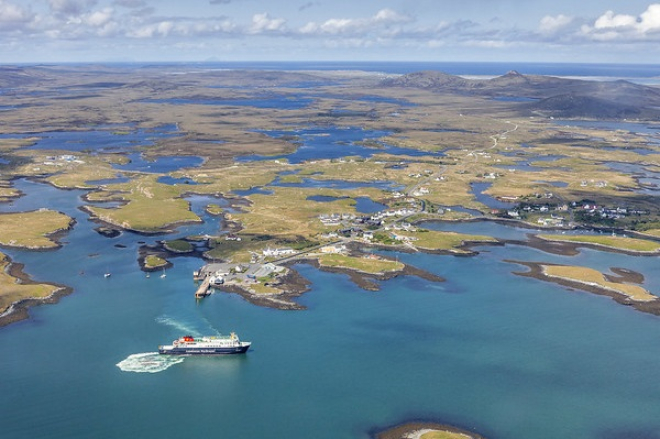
148, 362
181, 327
211, 328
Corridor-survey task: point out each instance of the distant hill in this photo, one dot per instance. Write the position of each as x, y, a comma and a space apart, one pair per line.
558, 97
12, 77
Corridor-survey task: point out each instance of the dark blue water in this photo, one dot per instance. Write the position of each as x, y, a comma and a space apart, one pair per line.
251, 191
103, 139
362, 204
319, 143
166, 179
478, 191
338, 184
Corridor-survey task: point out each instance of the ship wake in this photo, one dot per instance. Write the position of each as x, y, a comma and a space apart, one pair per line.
148, 362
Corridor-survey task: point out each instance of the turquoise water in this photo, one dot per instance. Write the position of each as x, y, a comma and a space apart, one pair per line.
507, 356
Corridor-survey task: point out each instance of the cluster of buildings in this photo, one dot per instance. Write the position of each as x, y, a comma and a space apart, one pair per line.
352, 222
556, 219
610, 212
62, 160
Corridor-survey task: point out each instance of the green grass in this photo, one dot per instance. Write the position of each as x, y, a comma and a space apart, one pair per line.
593, 277
179, 246
150, 206
214, 209
364, 264
435, 240
153, 261
11, 291
32, 229
616, 242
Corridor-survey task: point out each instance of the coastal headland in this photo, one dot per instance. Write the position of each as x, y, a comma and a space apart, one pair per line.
19, 292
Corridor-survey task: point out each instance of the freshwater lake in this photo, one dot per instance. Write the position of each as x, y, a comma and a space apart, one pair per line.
487, 350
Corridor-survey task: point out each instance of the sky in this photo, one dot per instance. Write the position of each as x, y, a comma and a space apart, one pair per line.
595, 31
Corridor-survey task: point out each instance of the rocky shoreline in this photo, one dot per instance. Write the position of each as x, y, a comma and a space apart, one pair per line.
18, 310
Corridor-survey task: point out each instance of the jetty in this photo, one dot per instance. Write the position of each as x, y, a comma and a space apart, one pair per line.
204, 288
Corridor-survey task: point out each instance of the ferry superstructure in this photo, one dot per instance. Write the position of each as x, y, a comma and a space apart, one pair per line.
211, 345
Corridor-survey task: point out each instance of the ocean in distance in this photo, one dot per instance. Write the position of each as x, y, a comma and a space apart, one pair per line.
639, 73
489, 351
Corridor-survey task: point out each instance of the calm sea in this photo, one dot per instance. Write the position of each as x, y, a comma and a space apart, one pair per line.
506, 356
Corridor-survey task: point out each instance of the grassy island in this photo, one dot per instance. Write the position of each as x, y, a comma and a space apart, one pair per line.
214, 209
588, 276
427, 431
438, 434
32, 230
614, 242
152, 262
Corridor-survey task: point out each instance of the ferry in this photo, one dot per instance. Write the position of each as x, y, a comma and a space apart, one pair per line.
211, 345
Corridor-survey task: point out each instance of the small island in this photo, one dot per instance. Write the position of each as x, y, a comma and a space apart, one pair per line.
623, 285
426, 430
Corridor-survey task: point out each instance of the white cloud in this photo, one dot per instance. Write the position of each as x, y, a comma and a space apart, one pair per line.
12, 15
383, 19
390, 16
551, 24
161, 29
650, 19
609, 20
611, 26
99, 18
263, 23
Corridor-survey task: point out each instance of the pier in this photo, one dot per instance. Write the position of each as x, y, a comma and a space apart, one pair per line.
203, 289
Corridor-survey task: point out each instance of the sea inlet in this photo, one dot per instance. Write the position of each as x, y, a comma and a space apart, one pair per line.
487, 350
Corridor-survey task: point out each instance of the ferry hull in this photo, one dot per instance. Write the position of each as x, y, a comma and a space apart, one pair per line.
204, 351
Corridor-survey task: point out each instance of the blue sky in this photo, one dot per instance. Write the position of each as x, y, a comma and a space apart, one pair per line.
608, 31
